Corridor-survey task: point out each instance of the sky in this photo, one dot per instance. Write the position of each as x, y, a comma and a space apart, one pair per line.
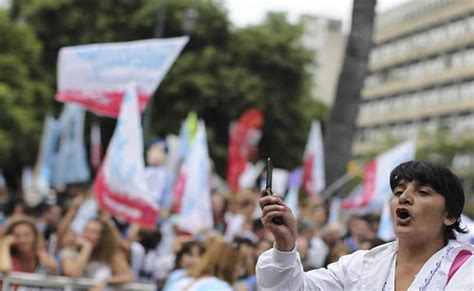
245, 12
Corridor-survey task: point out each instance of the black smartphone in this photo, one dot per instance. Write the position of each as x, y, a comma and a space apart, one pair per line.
268, 187
268, 184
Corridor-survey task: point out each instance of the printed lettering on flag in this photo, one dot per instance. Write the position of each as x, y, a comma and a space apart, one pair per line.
95, 75
314, 180
121, 185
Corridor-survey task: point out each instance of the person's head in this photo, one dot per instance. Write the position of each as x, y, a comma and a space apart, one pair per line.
332, 233
220, 260
188, 255
247, 202
262, 246
100, 234
149, 237
25, 234
359, 227
428, 198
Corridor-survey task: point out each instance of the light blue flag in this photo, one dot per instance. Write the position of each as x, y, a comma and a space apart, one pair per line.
335, 211
294, 183
71, 165
47, 156
386, 231
196, 210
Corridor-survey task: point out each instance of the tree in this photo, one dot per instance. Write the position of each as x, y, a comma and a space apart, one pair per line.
220, 73
342, 122
24, 97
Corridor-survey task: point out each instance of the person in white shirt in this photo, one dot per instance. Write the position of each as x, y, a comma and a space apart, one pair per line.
427, 202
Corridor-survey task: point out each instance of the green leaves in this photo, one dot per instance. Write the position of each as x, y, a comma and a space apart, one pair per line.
222, 71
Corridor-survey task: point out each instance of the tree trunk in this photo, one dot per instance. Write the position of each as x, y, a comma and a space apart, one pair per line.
342, 124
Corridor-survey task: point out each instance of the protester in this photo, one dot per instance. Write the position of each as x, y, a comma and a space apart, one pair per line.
426, 205
186, 258
216, 270
99, 256
21, 249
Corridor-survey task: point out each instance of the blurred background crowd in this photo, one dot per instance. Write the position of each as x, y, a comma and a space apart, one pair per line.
245, 93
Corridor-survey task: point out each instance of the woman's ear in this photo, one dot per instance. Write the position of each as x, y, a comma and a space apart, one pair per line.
449, 220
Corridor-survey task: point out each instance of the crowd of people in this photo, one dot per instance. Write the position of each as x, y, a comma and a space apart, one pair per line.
51, 239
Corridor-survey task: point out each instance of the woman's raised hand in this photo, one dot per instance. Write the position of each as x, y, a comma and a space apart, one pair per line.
285, 234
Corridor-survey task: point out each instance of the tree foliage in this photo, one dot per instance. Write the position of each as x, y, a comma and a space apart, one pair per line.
222, 71
24, 96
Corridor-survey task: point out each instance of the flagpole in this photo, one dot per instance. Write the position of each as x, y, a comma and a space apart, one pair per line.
336, 185
158, 33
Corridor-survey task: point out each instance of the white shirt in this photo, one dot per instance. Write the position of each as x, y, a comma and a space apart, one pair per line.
362, 270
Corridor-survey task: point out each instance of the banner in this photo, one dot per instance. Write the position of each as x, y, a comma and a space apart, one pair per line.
120, 185
243, 140
96, 75
314, 180
71, 164
196, 211
376, 185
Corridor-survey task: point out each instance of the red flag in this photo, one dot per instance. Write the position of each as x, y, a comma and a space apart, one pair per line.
243, 140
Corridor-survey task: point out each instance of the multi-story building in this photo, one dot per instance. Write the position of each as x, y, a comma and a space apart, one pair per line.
421, 78
325, 39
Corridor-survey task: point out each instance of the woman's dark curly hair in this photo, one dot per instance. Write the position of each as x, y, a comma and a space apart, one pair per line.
442, 180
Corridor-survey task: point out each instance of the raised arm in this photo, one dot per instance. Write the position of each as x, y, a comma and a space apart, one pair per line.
280, 268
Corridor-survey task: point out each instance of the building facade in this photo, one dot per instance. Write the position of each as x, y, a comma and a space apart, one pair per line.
421, 79
325, 39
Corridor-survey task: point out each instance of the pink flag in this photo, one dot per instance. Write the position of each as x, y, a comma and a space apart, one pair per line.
120, 185
313, 162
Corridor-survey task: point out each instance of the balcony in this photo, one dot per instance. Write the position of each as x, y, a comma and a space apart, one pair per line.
415, 84
410, 113
436, 17
425, 52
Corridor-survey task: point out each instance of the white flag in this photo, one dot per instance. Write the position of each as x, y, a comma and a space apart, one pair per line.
121, 185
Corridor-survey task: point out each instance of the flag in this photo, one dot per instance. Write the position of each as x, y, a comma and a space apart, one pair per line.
96, 146
468, 224
376, 189
314, 180
196, 212
250, 175
95, 75
46, 162
386, 231
294, 184
243, 140
120, 185
334, 211
186, 139
71, 164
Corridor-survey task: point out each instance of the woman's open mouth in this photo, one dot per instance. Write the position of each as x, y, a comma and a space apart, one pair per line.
403, 216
